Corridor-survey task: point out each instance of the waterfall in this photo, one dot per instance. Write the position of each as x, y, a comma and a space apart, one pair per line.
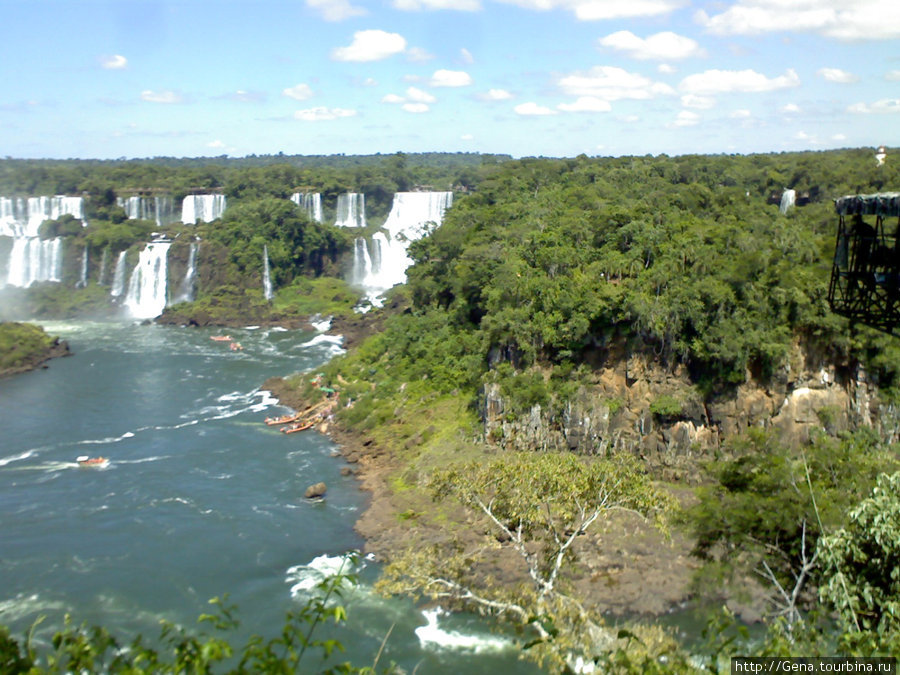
186, 290
205, 208
788, 199
411, 217
32, 259
82, 279
158, 209
147, 288
267, 280
311, 203
118, 284
104, 262
351, 210
362, 262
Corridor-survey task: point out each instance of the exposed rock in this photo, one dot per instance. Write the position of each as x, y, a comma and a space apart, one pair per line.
316, 491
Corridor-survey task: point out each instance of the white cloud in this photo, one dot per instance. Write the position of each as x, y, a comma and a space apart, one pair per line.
415, 107
244, 96
726, 81
839, 137
495, 95
790, 108
741, 114
598, 10
532, 108
698, 102
417, 95
370, 45
450, 78
114, 62
892, 76
586, 104
320, 114
161, 96
837, 75
418, 55
839, 19
215, 144
686, 118
666, 68
393, 98
884, 106
370, 82
467, 137
466, 56
415, 101
458, 5
335, 10
612, 84
659, 47
300, 92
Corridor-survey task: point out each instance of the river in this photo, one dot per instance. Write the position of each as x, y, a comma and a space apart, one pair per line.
201, 498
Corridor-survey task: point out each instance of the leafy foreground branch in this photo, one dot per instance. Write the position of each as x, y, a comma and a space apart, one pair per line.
537, 506
79, 649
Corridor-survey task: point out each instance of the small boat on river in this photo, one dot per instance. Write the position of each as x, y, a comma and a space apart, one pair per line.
284, 419
299, 426
221, 338
92, 462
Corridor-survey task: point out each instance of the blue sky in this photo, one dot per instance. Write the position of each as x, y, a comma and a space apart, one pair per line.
134, 78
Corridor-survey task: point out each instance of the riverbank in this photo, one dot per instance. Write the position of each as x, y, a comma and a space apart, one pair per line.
25, 346
626, 567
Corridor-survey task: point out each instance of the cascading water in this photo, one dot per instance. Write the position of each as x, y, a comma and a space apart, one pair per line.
205, 208
82, 279
147, 288
32, 259
104, 262
311, 203
186, 290
351, 210
159, 209
362, 262
788, 199
118, 284
412, 216
267, 279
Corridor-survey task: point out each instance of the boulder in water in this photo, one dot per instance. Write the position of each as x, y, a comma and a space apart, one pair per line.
316, 491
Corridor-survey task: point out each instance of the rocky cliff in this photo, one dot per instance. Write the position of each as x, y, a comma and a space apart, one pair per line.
634, 402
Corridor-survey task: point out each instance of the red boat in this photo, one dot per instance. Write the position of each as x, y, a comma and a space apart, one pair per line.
92, 462
299, 426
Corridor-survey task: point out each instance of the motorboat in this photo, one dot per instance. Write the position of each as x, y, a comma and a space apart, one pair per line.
92, 462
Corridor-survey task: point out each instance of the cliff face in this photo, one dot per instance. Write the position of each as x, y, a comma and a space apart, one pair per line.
635, 403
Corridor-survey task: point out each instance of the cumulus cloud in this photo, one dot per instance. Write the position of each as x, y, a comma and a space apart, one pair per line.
659, 47
299, 92
599, 10
335, 10
370, 45
586, 104
495, 95
532, 108
167, 96
884, 106
320, 114
415, 101
727, 81
458, 5
418, 55
790, 108
892, 76
114, 62
838, 19
612, 84
215, 144
415, 107
698, 102
686, 118
837, 75
450, 78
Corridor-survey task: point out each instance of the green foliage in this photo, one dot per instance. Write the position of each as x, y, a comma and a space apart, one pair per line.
22, 344
761, 504
666, 407
327, 296
861, 563
82, 649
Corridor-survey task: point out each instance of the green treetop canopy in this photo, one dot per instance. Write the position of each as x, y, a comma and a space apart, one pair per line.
881, 204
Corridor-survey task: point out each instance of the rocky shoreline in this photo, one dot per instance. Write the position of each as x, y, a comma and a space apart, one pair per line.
34, 356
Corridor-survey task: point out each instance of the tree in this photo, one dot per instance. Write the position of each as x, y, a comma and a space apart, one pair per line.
537, 505
861, 564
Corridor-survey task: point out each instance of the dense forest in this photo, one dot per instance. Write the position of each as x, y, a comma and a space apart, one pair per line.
542, 274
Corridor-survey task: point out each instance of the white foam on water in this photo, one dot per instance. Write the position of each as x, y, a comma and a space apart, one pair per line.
432, 636
104, 441
17, 458
15, 609
305, 578
321, 324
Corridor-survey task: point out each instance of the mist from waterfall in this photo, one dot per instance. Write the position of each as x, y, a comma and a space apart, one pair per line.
147, 288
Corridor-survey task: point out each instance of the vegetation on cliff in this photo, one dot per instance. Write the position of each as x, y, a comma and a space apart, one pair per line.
24, 346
